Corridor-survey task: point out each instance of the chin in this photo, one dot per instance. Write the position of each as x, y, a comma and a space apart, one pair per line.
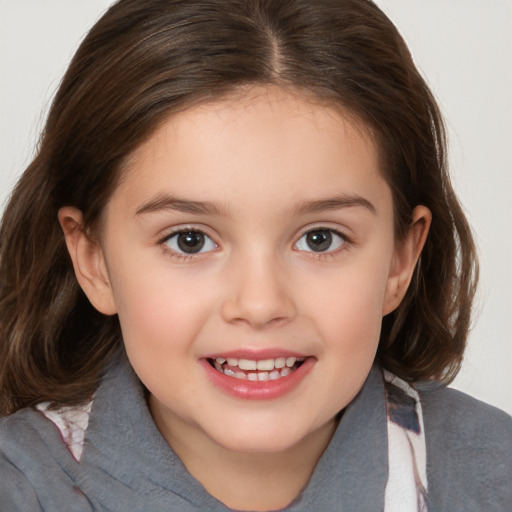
266, 444
261, 437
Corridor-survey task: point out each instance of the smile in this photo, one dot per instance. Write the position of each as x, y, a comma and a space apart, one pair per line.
265, 377
253, 370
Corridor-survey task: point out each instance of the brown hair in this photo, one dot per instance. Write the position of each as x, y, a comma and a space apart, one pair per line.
144, 60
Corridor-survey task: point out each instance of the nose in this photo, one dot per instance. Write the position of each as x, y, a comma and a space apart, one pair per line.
258, 294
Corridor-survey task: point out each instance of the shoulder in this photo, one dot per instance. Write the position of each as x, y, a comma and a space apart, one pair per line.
15, 489
16, 433
20, 436
465, 417
33, 460
469, 451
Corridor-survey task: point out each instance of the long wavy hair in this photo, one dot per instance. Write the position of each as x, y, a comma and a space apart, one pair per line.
147, 59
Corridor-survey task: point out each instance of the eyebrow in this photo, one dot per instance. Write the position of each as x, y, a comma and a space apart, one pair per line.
334, 203
173, 203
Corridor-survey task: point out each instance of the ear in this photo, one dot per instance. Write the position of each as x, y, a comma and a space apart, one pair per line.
88, 261
405, 258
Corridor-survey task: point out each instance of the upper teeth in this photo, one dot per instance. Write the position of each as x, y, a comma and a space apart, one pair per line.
265, 365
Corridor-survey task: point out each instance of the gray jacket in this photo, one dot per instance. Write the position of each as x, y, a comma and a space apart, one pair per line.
127, 466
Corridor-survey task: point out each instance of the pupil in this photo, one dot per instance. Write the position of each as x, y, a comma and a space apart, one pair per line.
319, 241
191, 241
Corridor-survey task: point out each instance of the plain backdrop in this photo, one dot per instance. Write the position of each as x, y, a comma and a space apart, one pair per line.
462, 47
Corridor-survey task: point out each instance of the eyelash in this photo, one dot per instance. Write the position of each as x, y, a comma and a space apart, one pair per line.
322, 256
179, 256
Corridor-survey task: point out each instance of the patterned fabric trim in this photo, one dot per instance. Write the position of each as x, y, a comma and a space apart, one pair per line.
406, 489
71, 423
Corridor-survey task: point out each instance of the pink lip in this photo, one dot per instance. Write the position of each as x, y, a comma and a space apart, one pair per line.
259, 390
256, 355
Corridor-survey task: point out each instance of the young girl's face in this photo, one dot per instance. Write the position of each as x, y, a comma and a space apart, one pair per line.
248, 235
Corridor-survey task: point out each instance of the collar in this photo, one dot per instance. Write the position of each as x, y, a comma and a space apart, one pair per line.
350, 475
123, 445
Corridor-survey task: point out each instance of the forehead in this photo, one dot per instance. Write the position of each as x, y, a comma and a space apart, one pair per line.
264, 143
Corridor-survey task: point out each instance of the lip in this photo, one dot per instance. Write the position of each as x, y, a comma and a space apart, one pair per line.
258, 390
257, 355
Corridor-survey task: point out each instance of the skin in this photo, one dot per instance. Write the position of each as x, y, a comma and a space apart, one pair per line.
257, 284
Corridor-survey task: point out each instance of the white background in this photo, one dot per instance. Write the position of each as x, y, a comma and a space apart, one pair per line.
463, 47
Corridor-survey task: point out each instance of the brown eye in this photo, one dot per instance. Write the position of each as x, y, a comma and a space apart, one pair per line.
190, 242
320, 240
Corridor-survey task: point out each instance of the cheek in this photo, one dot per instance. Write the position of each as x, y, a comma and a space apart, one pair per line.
160, 311
346, 305
347, 316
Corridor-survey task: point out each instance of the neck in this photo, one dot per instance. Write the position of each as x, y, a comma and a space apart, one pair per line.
246, 481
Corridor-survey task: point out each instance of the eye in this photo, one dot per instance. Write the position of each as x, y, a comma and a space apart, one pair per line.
320, 240
190, 241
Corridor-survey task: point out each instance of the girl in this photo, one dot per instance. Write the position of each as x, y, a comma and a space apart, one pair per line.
236, 275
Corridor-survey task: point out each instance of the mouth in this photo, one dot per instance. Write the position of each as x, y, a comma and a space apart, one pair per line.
257, 370
268, 376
